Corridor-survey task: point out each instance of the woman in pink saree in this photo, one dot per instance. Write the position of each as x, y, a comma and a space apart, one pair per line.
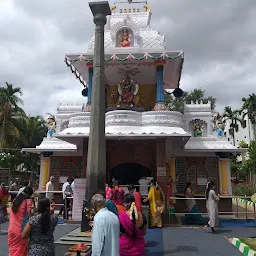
20, 207
131, 241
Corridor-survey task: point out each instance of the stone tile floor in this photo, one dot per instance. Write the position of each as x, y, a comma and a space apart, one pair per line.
172, 241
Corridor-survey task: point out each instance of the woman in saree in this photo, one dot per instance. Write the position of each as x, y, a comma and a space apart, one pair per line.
156, 200
4, 195
194, 216
131, 241
137, 197
21, 208
117, 194
212, 206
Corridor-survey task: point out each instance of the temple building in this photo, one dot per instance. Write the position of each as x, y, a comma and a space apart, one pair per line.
144, 138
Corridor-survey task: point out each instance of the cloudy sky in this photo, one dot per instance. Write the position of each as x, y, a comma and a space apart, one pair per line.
218, 38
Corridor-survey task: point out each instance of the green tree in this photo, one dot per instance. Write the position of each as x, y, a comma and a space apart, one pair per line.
233, 116
10, 112
249, 108
250, 164
31, 129
177, 104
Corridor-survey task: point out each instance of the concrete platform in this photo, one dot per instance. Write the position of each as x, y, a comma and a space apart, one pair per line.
63, 244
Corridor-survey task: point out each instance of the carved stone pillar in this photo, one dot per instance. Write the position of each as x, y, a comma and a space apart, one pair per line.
96, 159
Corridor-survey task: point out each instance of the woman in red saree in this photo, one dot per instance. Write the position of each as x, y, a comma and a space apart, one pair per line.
4, 195
131, 241
117, 194
20, 207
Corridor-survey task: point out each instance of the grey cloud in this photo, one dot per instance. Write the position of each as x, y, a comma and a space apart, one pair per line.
217, 36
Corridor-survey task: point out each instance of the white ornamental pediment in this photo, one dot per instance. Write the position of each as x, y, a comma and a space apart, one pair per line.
125, 23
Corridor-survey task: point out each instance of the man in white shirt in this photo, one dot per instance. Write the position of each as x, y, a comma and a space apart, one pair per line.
66, 192
50, 187
106, 229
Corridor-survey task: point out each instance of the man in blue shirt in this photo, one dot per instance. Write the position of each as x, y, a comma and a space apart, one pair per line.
106, 229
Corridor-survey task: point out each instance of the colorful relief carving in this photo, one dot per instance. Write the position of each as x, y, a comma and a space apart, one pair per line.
145, 98
125, 39
198, 129
219, 125
51, 124
128, 92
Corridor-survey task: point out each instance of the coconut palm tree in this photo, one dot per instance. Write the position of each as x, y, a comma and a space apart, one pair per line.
249, 108
234, 117
10, 111
31, 129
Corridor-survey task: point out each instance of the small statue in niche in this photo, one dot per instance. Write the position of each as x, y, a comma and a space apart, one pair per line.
198, 129
128, 90
51, 124
219, 125
125, 39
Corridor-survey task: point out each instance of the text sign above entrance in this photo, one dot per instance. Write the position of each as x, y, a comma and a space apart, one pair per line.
161, 171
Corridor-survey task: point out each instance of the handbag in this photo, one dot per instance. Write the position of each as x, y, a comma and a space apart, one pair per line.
26, 218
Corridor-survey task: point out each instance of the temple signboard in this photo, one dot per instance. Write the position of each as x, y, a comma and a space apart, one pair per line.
78, 197
161, 171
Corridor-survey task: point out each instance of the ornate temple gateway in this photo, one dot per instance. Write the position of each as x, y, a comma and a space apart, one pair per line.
143, 137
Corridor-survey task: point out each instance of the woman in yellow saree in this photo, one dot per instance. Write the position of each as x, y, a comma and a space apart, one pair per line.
156, 200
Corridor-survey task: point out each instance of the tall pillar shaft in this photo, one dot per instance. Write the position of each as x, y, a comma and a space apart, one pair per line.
225, 177
160, 84
161, 162
172, 165
90, 71
96, 159
46, 172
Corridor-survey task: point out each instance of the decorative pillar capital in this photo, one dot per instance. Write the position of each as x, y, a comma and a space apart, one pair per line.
160, 64
100, 10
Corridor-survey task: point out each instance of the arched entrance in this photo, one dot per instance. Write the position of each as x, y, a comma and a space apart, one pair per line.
129, 173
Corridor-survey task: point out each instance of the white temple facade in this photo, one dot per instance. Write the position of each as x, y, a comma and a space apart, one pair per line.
140, 130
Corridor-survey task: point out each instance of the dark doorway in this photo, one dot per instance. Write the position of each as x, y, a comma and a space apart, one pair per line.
129, 173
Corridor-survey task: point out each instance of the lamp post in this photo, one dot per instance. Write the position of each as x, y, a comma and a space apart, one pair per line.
96, 158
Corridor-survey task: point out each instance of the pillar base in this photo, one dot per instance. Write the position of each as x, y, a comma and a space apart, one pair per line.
88, 108
160, 106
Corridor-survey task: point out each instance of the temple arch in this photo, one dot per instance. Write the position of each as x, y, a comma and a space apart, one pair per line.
125, 37
129, 173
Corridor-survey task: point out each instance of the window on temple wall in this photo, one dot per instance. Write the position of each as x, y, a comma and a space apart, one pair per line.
65, 167
125, 38
198, 176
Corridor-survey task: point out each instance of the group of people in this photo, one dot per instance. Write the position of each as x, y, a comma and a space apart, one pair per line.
193, 215
14, 189
31, 229
119, 225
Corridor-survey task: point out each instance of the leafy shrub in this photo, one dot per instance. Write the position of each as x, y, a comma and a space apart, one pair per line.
244, 189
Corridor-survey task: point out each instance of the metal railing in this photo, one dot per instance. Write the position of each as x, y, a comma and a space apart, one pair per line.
237, 203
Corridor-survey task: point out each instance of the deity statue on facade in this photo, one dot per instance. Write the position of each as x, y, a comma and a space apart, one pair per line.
125, 39
51, 124
128, 90
219, 125
198, 129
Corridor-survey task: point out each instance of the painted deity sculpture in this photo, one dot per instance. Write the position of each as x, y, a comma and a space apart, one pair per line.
125, 39
51, 124
198, 129
219, 125
128, 90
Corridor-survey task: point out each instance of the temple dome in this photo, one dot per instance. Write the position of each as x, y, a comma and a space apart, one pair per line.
137, 26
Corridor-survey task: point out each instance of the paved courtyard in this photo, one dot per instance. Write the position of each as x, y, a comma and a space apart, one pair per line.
173, 241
